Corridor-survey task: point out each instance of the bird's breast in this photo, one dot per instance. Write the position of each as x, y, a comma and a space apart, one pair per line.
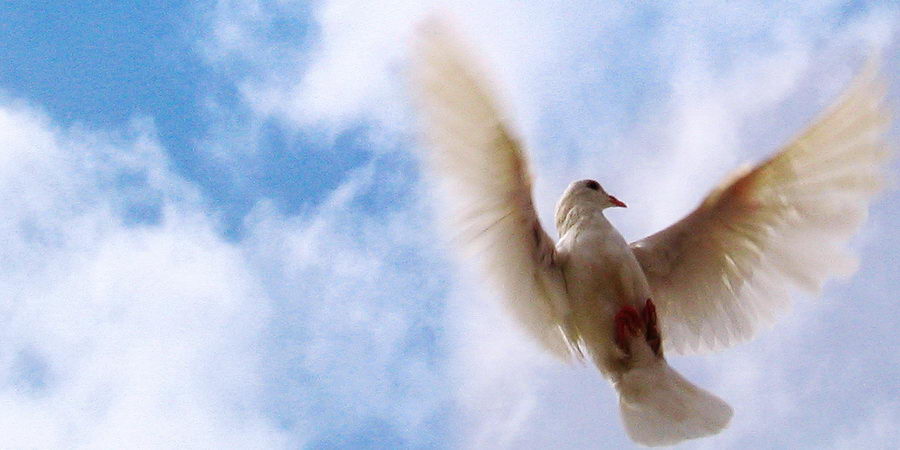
600, 268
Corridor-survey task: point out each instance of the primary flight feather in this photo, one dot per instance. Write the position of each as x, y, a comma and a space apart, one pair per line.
705, 283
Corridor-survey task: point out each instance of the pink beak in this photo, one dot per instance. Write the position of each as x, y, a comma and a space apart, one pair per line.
617, 202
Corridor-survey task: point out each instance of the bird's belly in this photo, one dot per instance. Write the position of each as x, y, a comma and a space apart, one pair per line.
598, 288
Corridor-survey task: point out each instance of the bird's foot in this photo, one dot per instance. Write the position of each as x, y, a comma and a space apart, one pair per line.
631, 324
628, 324
654, 339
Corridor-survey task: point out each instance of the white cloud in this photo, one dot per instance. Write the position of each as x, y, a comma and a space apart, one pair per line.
357, 322
117, 334
150, 329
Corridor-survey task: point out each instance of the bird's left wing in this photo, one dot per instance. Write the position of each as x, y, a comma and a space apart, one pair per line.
723, 270
482, 173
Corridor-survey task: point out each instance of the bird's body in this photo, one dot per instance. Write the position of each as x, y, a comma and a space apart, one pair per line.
602, 276
610, 308
707, 282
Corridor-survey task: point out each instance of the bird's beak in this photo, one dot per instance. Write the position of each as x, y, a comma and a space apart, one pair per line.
617, 202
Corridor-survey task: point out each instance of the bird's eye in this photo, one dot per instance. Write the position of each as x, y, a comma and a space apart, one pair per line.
591, 184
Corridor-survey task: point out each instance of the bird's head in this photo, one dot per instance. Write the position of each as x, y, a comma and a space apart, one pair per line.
587, 194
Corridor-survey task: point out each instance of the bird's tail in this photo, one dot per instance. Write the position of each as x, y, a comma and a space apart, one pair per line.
660, 407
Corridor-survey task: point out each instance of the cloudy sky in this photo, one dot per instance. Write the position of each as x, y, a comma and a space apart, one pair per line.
216, 233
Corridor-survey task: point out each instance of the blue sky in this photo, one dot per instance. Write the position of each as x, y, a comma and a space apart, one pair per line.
217, 233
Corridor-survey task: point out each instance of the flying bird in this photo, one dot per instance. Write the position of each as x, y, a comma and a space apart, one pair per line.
707, 282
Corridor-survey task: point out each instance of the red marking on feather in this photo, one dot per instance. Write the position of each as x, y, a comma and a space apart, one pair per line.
651, 323
628, 324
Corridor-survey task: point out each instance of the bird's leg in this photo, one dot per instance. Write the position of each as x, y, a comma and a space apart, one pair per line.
628, 324
654, 339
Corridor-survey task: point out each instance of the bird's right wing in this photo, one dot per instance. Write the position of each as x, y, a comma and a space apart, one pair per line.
722, 271
482, 173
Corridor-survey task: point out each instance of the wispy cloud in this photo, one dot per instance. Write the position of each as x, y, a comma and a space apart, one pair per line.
355, 344
129, 320
117, 324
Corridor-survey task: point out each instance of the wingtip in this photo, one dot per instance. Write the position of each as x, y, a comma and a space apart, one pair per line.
434, 38
436, 28
868, 81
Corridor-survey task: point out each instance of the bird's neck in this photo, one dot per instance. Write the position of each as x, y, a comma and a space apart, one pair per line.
580, 216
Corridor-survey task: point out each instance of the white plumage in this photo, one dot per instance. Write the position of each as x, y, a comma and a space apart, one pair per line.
715, 276
725, 269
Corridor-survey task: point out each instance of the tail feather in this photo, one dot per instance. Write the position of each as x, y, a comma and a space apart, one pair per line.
660, 407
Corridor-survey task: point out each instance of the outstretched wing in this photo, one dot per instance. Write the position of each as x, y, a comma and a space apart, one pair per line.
481, 170
724, 270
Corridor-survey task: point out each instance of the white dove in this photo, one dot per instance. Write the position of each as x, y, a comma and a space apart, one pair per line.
705, 283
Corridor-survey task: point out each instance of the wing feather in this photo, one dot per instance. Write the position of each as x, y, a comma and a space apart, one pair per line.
481, 170
724, 270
